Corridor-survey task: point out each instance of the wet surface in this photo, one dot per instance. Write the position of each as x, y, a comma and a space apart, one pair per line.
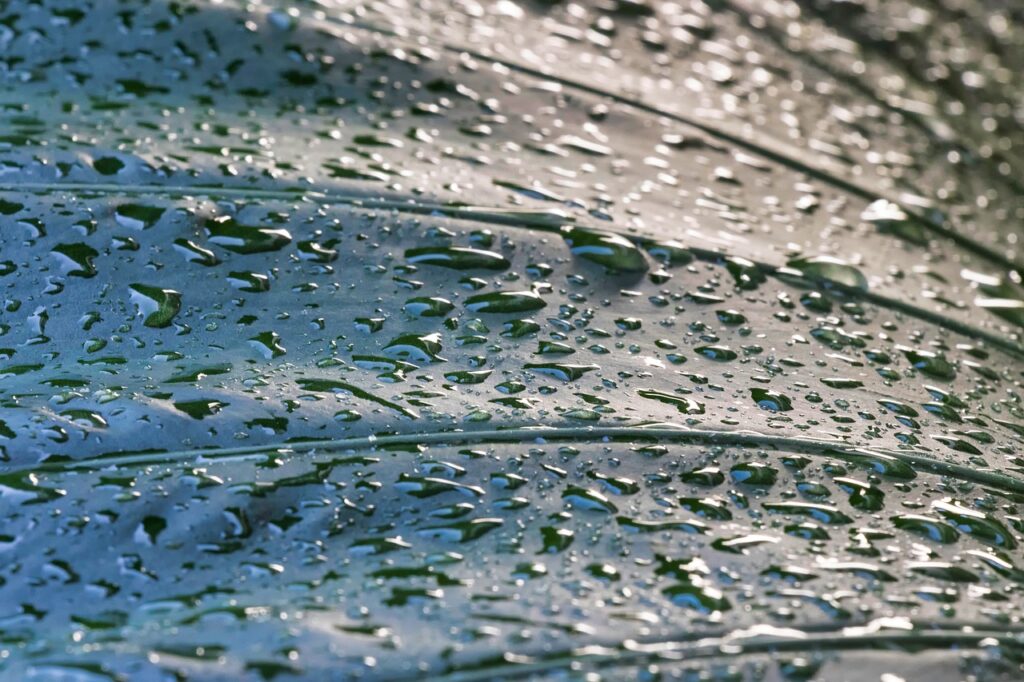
344, 340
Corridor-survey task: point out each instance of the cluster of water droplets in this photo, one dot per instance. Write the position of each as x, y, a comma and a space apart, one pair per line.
380, 342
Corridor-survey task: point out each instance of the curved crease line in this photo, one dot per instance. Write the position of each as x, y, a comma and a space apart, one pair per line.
546, 220
631, 653
836, 449
765, 146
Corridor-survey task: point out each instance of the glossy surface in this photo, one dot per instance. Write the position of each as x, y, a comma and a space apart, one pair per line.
478, 340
